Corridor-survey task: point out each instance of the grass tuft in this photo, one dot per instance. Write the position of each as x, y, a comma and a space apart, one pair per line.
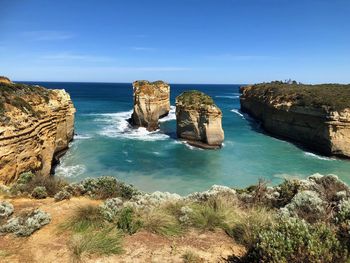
159, 222
105, 242
84, 219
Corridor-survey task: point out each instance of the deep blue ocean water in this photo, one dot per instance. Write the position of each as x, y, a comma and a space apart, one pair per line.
105, 145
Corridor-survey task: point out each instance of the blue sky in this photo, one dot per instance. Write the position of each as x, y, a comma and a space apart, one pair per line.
180, 41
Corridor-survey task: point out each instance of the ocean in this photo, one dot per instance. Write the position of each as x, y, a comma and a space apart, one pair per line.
105, 145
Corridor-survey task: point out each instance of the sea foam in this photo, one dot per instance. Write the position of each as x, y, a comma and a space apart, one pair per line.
312, 155
116, 125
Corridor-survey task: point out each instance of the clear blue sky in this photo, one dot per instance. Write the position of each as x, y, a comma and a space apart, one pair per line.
180, 41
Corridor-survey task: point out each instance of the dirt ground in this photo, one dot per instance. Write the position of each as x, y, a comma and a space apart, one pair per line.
48, 245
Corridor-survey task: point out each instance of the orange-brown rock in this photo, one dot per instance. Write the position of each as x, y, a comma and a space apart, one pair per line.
315, 116
151, 102
5, 80
36, 125
198, 120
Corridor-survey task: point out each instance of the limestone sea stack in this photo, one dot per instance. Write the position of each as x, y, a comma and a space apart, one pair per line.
314, 116
151, 102
36, 125
198, 120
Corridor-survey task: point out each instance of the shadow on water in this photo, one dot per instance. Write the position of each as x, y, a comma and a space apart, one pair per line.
256, 126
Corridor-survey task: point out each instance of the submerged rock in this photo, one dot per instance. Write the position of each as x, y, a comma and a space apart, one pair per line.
198, 120
151, 102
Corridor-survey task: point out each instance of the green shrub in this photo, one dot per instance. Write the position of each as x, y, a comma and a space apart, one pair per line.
62, 195
287, 190
294, 240
306, 205
39, 192
6, 209
26, 223
27, 182
127, 222
25, 178
107, 187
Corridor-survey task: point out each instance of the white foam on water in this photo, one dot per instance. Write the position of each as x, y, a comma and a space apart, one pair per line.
69, 170
238, 112
171, 116
81, 137
312, 155
227, 97
116, 125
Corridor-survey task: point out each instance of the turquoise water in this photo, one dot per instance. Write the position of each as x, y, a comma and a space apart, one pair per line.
106, 145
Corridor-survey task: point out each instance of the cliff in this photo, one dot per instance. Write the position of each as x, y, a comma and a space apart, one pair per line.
151, 102
198, 120
36, 125
315, 116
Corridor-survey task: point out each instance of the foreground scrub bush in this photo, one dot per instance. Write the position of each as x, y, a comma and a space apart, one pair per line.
6, 209
62, 195
39, 192
107, 187
27, 182
127, 221
27, 223
307, 205
295, 240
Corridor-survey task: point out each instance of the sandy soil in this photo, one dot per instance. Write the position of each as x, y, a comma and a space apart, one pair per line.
48, 245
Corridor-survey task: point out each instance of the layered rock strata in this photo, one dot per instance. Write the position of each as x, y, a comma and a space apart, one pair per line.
36, 125
317, 117
151, 102
198, 120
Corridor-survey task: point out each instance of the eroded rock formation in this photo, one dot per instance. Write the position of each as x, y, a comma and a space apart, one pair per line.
198, 120
36, 125
317, 117
151, 102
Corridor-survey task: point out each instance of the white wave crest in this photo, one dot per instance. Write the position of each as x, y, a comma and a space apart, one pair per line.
227, 97
238, 112
81, 137
312, 155
171, 116
116, 125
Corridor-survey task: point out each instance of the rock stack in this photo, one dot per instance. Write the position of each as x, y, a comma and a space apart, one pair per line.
198, 120
151, 102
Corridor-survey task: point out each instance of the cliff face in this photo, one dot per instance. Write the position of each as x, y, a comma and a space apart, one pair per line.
36, 125
198, 120
151, 102
318, 117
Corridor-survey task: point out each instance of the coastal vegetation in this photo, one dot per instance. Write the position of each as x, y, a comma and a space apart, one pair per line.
296, 221
194, 99
333, 96
15, 94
